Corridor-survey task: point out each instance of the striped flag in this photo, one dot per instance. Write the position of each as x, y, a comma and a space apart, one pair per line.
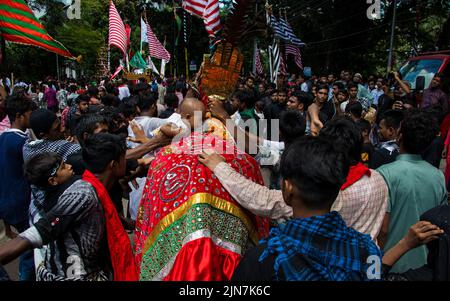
283, 31
157, 50
282, 66
276, 61
209, 11
295, 51
19, 25
117, 32
120, 68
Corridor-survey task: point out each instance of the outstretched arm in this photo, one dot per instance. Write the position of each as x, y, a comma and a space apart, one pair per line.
419, 234
13, 249
259, 199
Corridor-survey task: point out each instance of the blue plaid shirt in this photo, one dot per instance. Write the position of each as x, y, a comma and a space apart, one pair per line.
321, 248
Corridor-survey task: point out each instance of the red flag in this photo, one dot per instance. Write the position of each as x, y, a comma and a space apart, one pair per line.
208, 10
117, 32
157, 50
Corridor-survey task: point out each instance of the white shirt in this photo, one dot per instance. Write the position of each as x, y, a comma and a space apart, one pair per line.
124, 92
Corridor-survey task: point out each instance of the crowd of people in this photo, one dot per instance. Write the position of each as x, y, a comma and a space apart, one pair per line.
323, 178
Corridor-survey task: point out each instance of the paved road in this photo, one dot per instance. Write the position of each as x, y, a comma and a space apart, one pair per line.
13, 268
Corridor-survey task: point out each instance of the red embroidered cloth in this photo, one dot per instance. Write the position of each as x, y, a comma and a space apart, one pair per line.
188, 226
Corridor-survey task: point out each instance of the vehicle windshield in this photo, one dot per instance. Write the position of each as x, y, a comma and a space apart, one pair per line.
427, 68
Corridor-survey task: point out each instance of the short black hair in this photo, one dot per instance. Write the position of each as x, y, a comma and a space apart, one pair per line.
38, 169
18, 104
316, 169
354, 108
82, 97
345, 135
304, 98
292, 126
351, 85
392, 118
128, 106
146, 102
418, 130
171, 100
92, 91
245, 97
364, 125
436, 112
87, 124
100, 149
140, 87
339, 85
322, 87
110, 100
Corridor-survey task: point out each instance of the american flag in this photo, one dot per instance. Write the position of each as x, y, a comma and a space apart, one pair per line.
117, 33
157, 50
259, 67
282, 66
208, 10
283, 31
295, 51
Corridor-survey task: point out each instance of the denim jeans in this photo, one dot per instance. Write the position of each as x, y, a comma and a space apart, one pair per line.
26, 263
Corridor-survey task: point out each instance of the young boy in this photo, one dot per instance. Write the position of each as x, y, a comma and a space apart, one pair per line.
14, 187
50, 173
316, 244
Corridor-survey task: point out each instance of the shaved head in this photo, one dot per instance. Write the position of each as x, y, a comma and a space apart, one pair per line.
191, 105
190, 108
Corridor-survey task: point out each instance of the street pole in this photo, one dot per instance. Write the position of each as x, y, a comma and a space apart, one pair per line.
391, 46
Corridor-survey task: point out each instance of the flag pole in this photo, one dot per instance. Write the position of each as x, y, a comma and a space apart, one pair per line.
255, 46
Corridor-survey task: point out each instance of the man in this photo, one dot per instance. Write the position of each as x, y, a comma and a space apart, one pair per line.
415, 186
14, 187
378, 91
70, 115
354, 110
316, 244
363, 92
171, 101
124, 91
388, 150
50, 98
250, 84
186, 215
91, 242
435, 95
361, 201
353, 92
299, 101
243, 103
321, 111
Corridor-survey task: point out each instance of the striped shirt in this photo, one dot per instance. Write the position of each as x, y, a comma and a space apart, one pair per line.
74, 234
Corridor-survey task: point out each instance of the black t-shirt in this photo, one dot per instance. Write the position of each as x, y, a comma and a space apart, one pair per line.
250, 269
382, 156
366, 153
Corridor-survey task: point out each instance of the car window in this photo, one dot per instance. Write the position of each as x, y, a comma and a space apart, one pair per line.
427, 68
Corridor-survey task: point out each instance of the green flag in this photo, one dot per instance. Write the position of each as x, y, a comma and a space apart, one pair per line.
138, 62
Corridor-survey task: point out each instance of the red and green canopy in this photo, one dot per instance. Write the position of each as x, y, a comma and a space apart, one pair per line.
19, 25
